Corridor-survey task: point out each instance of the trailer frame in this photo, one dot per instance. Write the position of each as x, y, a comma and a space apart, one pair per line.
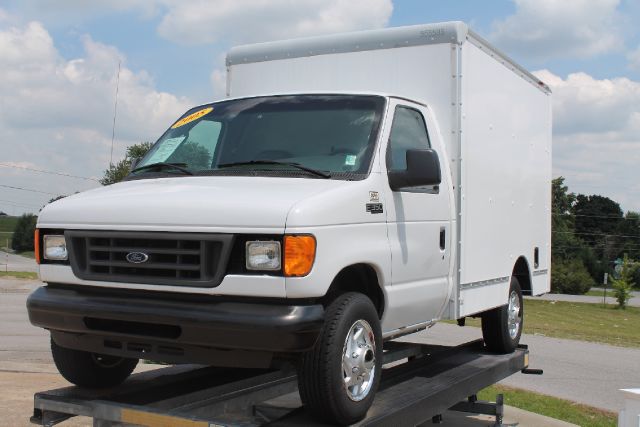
419, 383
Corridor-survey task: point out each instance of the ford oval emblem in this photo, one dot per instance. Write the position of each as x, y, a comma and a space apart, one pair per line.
137, 257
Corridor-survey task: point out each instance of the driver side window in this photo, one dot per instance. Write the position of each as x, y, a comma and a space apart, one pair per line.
408, 131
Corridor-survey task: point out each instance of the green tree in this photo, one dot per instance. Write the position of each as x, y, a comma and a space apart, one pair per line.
569, 276
192, 154
120, 170
53, 199
564, 243
22, 239
628, 236
595, 217
622, 286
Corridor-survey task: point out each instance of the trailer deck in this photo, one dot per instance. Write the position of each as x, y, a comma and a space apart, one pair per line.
419, 383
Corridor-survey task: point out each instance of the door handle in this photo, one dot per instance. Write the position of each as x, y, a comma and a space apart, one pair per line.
443, 238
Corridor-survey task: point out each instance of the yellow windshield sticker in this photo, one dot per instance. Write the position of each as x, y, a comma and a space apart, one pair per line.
191, 117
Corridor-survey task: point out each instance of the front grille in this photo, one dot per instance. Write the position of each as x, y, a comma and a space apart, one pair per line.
179, 259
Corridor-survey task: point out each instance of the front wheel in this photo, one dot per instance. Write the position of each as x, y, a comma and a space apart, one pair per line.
339, 377
91, 370
502, 326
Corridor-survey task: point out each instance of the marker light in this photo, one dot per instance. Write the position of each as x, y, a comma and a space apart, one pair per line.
299, 254
36, 245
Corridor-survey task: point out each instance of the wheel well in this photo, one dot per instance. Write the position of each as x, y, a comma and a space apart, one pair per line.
357, 278
521, 271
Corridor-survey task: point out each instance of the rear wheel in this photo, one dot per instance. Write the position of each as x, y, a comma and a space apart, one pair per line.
91, 370
339, 377
502, 326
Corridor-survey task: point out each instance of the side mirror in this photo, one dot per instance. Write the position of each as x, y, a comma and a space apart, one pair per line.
423, 169
134, 163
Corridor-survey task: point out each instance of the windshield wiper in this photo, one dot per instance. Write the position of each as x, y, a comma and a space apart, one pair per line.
275, 162
162, 165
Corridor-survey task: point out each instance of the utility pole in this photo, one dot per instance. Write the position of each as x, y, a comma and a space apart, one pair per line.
115, 113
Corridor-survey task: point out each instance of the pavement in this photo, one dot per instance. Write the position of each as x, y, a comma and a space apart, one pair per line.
584, 372
11, 262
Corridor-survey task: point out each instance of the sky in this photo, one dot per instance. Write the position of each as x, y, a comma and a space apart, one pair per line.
59, 70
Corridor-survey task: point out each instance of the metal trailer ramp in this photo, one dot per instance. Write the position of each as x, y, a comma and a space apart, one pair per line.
432, 380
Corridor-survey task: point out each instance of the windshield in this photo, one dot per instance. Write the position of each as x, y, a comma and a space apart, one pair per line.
277, 135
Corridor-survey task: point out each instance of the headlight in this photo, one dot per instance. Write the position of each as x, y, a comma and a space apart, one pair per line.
263, 255
55, 248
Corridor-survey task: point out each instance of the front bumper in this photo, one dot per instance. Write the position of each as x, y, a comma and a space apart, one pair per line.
106, 323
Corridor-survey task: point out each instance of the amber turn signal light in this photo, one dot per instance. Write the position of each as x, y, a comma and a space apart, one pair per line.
36, 245
299, 254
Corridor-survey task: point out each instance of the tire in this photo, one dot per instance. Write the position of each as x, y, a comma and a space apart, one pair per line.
91, 370
502, 326
351, 327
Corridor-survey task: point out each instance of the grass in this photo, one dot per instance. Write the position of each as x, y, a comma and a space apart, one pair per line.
565, 410
19, 274
28, 254
7, 224
610, 292
581, 321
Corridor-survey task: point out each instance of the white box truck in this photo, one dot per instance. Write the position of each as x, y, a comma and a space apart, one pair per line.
351, 189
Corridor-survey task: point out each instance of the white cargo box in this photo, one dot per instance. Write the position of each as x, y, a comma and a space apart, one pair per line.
494, 117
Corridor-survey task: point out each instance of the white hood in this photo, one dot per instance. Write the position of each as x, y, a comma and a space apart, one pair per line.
186, 203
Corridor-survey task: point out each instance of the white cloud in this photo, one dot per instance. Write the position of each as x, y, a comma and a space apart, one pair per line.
583, 104
57, 113
597, 135
219, 83
200, 21
543, 29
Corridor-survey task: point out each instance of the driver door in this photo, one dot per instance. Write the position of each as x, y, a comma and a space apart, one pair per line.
418, 225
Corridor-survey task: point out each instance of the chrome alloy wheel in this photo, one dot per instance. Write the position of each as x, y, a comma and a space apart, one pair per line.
359, 360
515, 315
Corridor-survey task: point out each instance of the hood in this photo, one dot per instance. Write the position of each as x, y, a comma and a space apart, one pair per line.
185, 203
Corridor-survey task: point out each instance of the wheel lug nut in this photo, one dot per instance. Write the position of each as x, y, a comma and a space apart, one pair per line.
355, 370
354, 355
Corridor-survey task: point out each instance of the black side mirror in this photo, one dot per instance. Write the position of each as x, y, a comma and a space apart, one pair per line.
423, 169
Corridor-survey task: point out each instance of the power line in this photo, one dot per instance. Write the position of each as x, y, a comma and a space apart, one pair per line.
602, 245
596, 234
49, 172
596, 216
27, 189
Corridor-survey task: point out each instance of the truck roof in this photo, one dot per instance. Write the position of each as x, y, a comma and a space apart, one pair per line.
425, 34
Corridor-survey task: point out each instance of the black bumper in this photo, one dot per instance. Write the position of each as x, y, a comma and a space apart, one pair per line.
220, 325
